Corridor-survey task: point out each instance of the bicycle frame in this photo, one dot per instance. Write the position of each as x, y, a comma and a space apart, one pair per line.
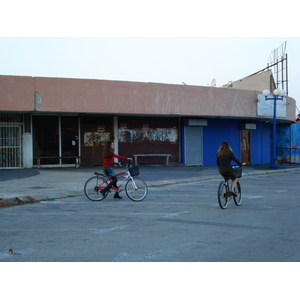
125, 175
228, 186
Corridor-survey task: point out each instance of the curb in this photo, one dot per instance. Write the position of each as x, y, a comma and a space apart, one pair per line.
52, 196
36, 198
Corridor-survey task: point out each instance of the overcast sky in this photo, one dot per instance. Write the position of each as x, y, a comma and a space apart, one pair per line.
151, 50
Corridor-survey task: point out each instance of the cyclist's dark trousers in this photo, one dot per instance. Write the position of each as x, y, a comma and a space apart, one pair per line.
112, 183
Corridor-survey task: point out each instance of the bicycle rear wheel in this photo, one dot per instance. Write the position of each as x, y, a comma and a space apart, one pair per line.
238, 191
223, 195
136, 189
93, 187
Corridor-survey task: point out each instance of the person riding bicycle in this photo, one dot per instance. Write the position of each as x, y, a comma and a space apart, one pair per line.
108, 163
224, 157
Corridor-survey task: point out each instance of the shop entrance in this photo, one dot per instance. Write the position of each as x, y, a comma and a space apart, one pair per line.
55, 137
245, 146
95, 131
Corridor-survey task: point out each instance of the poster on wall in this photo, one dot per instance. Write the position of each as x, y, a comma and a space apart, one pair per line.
153, 134
95, 139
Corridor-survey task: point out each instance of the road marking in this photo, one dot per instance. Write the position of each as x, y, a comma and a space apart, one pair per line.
253, 197
170, 215
105, 230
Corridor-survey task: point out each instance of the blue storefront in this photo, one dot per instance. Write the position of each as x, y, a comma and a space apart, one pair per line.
250, 141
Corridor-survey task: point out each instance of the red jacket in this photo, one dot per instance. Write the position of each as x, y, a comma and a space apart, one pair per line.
109, 162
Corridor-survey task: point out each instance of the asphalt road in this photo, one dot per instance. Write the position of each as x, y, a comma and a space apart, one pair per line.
175, 223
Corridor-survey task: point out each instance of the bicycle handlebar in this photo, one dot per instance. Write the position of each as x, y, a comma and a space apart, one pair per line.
126, 165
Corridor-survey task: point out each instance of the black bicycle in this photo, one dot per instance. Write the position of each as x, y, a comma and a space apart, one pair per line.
224, 194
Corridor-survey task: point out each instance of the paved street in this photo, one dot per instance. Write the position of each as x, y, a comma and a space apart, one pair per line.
175, 223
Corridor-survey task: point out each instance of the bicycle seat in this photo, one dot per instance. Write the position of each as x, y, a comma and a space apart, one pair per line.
97, 173
106, 173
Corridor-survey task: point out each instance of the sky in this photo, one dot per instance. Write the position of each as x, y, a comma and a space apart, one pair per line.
165, 42
194, 61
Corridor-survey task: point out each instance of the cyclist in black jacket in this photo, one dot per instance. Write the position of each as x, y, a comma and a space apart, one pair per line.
224, 158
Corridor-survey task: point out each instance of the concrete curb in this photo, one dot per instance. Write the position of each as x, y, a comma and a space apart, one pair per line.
52, 196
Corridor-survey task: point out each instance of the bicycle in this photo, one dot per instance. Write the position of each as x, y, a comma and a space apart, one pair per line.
136, 188
224, 194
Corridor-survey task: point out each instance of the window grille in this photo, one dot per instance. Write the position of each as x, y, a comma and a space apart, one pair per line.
11, 154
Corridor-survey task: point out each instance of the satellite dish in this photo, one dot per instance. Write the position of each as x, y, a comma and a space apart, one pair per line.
213, 82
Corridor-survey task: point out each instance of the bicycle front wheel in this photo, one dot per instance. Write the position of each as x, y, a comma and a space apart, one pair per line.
223, 195
93, 187
136, 189
238, 191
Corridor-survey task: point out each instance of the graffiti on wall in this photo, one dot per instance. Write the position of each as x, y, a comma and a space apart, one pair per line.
94, 139
152, 134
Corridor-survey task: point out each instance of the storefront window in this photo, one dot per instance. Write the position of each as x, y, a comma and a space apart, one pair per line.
45, 139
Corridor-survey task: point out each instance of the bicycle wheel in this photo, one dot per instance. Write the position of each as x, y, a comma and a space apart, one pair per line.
223, 195
93, 187
136, 189
238, 191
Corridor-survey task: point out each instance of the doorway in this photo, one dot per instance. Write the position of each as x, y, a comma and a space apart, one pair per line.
95, 132
193, 145
245, 146
54, 137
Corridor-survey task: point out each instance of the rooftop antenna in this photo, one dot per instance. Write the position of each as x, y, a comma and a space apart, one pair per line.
230, 84
213, 82
278, 63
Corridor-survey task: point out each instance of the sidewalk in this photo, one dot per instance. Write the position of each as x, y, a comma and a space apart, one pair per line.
31, 185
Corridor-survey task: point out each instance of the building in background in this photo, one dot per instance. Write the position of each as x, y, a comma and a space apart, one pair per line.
56, 121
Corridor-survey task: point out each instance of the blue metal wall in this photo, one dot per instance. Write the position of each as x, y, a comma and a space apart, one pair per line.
230, 130
288, 143
288, 136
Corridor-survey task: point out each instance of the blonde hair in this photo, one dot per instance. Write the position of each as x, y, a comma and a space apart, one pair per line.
224, 149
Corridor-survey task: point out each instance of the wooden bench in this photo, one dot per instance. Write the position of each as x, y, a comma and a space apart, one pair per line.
38, 159
137, 155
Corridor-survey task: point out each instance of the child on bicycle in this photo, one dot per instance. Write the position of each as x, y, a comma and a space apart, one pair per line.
224, 157
108, 163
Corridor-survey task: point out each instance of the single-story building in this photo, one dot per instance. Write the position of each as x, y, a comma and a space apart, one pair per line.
61, 121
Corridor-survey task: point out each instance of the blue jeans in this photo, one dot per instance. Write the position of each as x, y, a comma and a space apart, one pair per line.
113, 176
110, 171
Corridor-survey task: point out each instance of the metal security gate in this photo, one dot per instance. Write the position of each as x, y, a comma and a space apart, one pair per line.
11, 141
193, 145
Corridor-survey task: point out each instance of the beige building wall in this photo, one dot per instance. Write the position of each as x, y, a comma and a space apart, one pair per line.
26, 94
16, 93
257, 82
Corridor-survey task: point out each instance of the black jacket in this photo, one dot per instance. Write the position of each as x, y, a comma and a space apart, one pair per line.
224, 161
